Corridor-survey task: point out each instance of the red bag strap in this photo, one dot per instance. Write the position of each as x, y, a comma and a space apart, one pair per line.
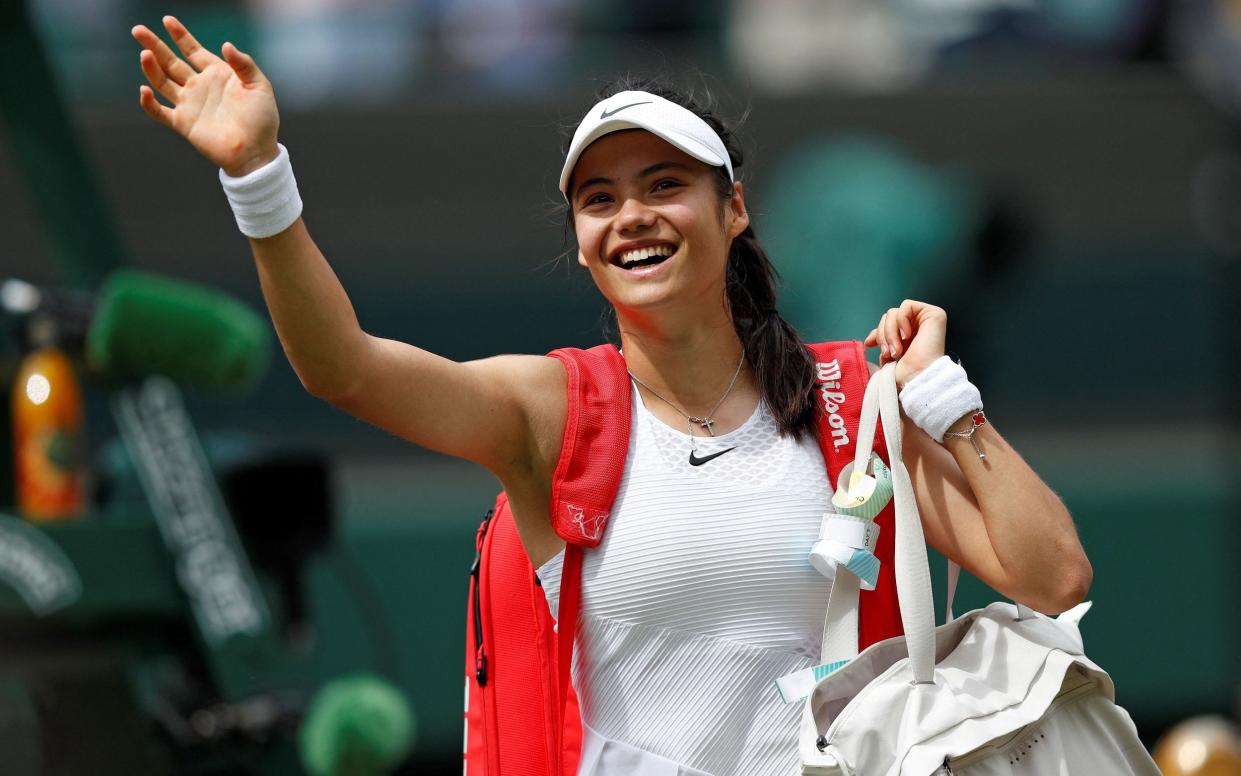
566, 626
595, 442
841, 371
584, 486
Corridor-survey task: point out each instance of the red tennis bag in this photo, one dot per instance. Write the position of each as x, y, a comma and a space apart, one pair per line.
521, 714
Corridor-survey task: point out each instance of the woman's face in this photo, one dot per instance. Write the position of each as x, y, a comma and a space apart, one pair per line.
651, 226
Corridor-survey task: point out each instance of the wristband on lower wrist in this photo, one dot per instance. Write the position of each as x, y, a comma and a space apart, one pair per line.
265, 201
939, 396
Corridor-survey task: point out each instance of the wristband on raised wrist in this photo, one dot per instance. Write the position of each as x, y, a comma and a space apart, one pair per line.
265, 201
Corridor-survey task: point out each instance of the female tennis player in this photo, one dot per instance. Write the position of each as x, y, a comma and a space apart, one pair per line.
705, 560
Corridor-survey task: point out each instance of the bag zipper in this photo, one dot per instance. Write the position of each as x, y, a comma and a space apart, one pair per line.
480, 655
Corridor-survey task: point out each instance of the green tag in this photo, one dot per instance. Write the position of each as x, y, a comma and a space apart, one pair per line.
864, 495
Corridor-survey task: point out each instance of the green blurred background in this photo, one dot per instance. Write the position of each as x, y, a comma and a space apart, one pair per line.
1064, 179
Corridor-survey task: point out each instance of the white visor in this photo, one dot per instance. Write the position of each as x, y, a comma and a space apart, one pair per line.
643, 110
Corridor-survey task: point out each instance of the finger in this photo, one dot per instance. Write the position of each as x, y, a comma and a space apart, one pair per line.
871, 339
909, 310
919, 311
176, 69
198, 56
243, 64
915, 312
880, 341
892, 332
162, 114
158, 78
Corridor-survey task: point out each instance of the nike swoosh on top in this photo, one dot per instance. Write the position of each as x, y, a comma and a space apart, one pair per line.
607, 113
696, 461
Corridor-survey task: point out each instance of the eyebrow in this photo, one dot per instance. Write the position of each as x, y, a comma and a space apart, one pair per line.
654, 168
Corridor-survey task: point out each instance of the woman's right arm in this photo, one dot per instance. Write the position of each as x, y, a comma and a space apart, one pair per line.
496, 411
500, 412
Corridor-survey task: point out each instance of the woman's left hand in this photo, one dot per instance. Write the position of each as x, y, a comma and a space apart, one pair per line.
912, 335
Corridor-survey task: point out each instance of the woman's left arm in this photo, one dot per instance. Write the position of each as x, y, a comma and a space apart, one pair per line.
995, 517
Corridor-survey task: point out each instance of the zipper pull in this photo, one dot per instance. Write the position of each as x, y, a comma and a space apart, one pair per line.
480, 667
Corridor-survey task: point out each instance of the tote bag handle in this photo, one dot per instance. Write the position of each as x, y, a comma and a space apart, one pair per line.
913, 574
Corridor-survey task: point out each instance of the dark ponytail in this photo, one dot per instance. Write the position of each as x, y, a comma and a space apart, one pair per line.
773, 348
781, 362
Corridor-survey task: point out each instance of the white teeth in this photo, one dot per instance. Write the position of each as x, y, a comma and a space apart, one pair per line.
638, 254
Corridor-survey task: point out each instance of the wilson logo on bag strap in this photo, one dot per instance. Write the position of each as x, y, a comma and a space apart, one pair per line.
828, 375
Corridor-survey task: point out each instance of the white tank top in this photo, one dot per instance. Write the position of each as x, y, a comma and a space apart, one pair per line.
698, 598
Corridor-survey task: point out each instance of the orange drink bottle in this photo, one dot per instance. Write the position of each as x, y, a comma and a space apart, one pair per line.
48, 435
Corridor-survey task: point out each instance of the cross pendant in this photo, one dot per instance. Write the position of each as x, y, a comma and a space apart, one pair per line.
706, 423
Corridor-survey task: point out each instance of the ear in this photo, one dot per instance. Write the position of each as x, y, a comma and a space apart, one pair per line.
581, 259
737, 218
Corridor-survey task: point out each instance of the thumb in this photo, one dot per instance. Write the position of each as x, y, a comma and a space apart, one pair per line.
243, 65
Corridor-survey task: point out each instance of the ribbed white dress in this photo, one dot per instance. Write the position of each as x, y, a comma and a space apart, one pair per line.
699, 597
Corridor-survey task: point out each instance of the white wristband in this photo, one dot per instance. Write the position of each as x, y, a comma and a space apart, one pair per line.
939, 396
265, 202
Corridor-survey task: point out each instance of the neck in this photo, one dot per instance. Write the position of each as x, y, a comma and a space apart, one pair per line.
690, 362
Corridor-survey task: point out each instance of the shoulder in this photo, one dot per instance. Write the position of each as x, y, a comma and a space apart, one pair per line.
523, 373
529, 380
536, 385
544, 386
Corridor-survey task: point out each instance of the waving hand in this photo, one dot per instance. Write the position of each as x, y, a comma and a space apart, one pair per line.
225, 107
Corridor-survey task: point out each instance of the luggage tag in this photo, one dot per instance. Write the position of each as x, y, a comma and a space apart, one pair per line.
863, 495
847, 537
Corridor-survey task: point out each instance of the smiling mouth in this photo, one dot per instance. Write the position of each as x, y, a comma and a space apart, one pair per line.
643, 257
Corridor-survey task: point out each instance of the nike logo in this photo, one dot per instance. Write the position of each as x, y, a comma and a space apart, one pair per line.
609, 113
696, 461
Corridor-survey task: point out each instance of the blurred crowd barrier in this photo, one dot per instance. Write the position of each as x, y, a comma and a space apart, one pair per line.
361, 52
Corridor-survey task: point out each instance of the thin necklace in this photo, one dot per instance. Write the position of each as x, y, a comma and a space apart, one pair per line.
706, 421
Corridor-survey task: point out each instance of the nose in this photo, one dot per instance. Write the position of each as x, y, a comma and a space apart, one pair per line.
634, 215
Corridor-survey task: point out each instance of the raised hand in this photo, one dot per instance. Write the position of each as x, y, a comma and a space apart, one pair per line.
225, 107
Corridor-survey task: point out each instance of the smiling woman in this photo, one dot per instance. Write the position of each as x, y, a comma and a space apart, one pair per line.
700, 592
666, 176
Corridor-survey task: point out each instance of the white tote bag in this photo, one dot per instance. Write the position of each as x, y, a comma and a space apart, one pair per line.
1000, 690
